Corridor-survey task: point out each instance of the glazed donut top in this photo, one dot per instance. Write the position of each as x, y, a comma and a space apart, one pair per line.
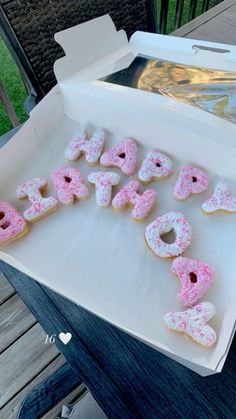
103, 184
40, 206
193, 322
69, 184
175, 221
190, 180
221, 199
155, 165
32, 188
142, 203
122, 155
90, 148
11, 223
196, 277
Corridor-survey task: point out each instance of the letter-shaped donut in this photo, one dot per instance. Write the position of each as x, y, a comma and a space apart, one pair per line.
175, 221
142, 204
191, 180
69, 185
155, 165
221, 200
103, 182
193, 322
90, 148
12, 225
195, 277
123, 155
40, 206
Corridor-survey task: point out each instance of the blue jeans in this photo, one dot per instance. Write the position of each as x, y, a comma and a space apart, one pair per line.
127, 378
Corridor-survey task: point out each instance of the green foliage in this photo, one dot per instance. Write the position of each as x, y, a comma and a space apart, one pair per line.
171, 12
11, 78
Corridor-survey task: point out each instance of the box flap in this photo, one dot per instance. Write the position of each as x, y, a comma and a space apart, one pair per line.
86, 43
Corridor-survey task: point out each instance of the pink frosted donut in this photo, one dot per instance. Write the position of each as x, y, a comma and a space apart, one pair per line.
142, 204
69, 185
123, 155
221, 200
12, 225
103, 182
162, 225
190, 180
195, 277
40, 206
155, 165
193, 322
79, 144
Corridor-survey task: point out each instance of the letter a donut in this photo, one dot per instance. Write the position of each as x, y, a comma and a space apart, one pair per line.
191, 180
123, 155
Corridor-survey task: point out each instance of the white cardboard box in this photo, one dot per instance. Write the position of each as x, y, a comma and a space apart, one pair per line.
94, 256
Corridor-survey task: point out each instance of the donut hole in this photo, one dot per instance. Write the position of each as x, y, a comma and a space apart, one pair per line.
169, 237
122, 155
193, 277
5, 225
67, 179
194, 179
2, 215
158, 164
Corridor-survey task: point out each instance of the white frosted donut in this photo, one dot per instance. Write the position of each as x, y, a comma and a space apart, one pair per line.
193, 322
79, 144
39, 206
155, 165
175, 221
221, 200
103, 182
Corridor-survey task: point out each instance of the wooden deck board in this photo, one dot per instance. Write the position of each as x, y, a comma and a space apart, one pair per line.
15, 320
209, 26
26, 360
10, 410
211, 32
228, 17
23, 361
6, 290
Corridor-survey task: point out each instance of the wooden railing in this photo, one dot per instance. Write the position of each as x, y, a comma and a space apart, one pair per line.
4, 98
181, 7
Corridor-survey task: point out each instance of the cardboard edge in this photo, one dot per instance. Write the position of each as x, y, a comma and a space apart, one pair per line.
179, 43
168, 45
220, 364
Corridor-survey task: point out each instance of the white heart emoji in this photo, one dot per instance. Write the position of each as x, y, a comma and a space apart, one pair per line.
65, 337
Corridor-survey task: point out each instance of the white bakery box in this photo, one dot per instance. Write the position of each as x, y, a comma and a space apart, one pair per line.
97, 257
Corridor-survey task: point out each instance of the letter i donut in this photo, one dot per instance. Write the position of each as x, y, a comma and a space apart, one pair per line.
40, 206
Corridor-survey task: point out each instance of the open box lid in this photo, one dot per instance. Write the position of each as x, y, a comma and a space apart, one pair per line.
181, 71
